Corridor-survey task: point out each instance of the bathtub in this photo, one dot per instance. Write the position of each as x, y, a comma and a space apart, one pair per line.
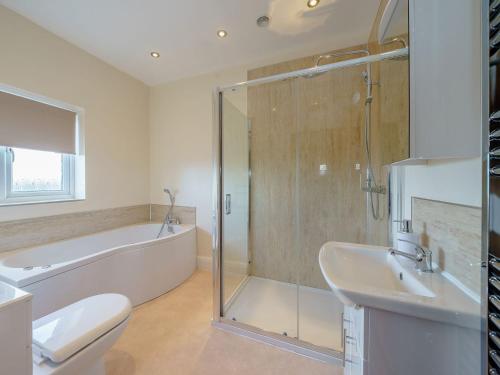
128, 260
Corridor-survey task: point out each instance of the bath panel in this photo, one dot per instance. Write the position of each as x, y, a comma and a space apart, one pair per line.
129, 261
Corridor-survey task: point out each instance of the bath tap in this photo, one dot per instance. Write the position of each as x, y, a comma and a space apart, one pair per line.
169, 218
422, 257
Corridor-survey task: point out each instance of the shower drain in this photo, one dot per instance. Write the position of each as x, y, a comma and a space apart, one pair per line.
29, 268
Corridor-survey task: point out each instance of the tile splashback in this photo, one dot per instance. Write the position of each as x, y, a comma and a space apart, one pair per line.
37, 231
453, 233
187, 215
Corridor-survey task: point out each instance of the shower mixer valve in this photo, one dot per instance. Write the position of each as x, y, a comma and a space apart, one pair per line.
371, 188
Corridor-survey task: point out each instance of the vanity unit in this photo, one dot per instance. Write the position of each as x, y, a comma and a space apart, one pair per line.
445, 79
15, 331
445, 75
398, 320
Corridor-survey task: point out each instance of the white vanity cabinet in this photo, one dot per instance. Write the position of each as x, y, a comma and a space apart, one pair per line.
15, 331
398, 320
445, 78
379, 342
353, 340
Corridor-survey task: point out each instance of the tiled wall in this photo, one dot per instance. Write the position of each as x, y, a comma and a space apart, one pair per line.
453, 233
300, 125
390, 123
297, 126
31, 232
186, 215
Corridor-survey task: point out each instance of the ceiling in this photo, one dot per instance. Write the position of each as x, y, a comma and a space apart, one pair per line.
124, 32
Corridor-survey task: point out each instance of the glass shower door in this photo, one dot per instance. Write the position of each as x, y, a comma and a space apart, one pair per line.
330, 202
263, 116
351, 124
304, 162
235, 189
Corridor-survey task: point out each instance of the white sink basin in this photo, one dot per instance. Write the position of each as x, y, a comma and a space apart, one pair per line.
348, 268
370, 276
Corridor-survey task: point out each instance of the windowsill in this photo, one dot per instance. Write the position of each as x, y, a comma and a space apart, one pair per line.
24, 203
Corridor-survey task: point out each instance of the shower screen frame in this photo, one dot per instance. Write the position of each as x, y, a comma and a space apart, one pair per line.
218, 320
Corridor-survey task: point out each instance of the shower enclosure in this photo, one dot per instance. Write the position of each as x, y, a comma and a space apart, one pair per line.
301, 159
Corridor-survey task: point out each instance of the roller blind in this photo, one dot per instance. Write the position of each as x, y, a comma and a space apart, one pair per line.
26, 123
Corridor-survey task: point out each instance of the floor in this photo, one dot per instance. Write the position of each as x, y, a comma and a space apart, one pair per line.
173, 335
273, 306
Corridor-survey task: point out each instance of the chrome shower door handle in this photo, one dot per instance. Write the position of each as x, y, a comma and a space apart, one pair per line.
227, 204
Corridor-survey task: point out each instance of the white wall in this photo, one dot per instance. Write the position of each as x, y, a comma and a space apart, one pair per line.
116, 113
452, 180
138, 139
181, 144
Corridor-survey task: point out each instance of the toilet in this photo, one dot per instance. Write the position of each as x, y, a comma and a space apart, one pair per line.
74, 339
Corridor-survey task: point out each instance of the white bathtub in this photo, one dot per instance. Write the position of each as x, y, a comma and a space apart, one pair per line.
128, 260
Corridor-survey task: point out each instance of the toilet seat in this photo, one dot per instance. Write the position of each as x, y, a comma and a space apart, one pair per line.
61, 334
88, 361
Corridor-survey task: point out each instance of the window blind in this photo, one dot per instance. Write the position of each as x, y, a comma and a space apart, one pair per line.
26, 123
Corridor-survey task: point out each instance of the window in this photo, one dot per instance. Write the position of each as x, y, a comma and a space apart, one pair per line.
31, 175
42, 156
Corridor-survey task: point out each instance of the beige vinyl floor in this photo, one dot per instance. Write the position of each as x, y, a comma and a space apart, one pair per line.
173, 335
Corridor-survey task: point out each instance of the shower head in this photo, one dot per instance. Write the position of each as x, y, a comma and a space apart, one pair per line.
400, 40
335, 55
341, 54
170, 195
396, 40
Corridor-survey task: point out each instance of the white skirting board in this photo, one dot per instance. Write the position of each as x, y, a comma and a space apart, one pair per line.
204, 263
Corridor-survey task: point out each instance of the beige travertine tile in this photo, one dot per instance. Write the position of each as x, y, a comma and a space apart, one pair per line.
300, 124
390, 121
187, 215
173, 335
37, 231
41, 230
453, 233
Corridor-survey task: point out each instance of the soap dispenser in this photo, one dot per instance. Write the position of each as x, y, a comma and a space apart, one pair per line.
405, 226
405, 232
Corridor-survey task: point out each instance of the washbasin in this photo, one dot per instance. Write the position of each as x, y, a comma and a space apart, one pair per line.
370, 276
350, 268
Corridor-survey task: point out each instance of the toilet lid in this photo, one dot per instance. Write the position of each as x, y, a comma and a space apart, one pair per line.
64, 332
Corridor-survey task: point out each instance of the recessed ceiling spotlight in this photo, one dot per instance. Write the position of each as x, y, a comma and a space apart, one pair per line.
263, 21
221, 33
155, 54
312, 3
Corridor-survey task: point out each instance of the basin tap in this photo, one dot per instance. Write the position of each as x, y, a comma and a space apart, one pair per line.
422, 257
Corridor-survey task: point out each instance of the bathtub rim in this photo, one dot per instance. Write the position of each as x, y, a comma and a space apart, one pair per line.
20, 278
